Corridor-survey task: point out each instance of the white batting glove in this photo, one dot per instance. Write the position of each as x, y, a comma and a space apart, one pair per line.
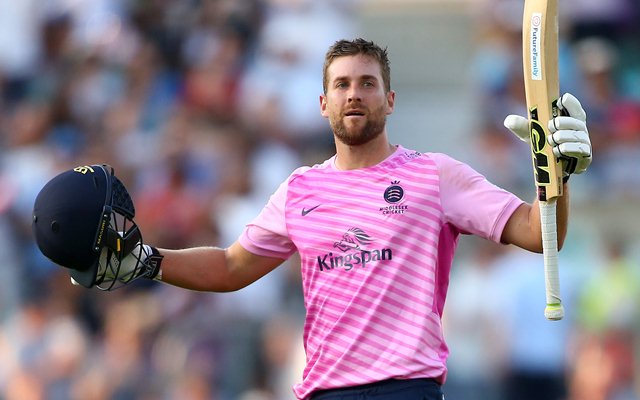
142, 261
124, 270
569, 138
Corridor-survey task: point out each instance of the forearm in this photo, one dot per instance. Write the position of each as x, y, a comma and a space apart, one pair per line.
214, 269
524, 227
198, 268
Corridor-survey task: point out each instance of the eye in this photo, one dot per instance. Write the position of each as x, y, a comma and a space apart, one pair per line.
368, 84
341, 85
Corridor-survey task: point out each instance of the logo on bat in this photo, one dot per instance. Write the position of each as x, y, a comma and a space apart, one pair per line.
534, 43
541, 164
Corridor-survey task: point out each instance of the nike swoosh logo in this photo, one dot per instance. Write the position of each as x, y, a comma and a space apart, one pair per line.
305, 211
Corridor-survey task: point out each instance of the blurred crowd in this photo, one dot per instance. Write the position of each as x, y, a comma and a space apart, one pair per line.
203, 107
497, 292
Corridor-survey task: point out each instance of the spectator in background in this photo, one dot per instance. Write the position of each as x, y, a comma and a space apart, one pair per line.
476, 303
20, 25
616, 116
609, 314
274, 90
535, 348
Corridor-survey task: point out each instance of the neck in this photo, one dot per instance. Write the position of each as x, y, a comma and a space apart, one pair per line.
362, 156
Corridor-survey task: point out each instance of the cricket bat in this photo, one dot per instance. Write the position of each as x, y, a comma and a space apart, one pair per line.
540, 62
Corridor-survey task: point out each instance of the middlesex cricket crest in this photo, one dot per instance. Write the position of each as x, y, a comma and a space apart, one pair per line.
393, 195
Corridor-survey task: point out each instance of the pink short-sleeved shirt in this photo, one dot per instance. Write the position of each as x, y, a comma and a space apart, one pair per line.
376, 247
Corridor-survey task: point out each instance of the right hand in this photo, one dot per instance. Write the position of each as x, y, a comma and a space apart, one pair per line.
143, 261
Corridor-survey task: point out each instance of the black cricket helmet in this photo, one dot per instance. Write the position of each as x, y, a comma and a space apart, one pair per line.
83, 221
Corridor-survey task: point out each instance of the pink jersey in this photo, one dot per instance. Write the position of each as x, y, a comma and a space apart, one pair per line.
376, 247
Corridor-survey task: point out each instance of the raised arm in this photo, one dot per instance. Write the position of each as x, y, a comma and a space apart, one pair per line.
571, 144
523, 228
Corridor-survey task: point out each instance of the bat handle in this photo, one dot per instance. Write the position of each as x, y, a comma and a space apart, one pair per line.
554, 310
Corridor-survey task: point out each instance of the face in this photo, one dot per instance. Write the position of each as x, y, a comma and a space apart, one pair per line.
356, 103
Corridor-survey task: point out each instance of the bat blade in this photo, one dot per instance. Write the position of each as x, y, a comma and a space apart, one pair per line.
540, 62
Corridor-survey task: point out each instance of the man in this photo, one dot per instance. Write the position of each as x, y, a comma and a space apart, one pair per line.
376, 227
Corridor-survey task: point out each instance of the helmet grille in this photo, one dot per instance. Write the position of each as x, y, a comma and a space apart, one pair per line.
121, 201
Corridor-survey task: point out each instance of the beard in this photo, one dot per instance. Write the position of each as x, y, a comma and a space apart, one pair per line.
355, 136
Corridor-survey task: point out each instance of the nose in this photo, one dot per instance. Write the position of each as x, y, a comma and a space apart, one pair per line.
354, 95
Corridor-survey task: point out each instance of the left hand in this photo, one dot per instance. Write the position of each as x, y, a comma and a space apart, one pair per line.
569, 135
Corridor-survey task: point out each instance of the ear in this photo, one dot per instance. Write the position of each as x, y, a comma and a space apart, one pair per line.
323, 106
391, 101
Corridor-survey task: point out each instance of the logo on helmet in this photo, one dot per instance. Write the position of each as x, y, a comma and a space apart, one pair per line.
83, 169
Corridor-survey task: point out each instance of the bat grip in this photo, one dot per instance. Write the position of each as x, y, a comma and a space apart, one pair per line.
554, 309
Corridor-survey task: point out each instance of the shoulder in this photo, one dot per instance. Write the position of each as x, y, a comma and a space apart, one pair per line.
310, 171
442, 159
407, 158
405, 155
449, 166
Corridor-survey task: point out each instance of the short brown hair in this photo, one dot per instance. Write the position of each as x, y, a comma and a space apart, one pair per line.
354, 47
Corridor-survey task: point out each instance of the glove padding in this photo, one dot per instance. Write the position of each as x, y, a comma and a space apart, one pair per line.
143, 262
569, 139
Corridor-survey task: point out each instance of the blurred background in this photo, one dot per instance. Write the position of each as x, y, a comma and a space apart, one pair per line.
204, 106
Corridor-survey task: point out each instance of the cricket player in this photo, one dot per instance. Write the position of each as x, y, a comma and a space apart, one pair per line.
376, 228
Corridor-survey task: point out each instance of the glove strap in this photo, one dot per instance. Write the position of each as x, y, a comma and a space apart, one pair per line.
154, 261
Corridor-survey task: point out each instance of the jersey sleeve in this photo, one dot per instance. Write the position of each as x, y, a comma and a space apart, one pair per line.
472, 203
267, 234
